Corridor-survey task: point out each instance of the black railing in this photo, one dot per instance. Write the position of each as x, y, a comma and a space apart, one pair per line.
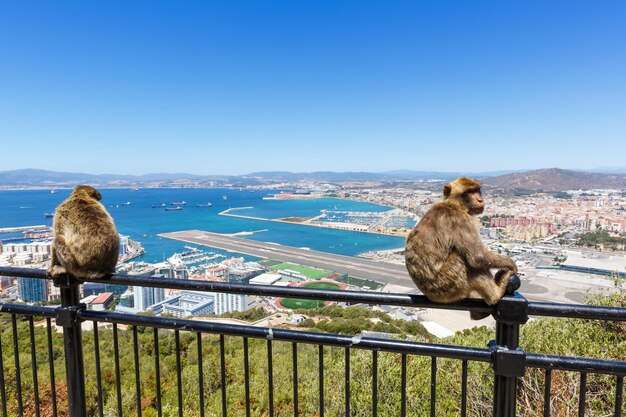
508, 360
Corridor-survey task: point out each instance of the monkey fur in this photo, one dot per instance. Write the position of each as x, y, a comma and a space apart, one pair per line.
86, 243
445, 256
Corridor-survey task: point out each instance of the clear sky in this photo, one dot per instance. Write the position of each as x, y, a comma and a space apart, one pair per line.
233, 87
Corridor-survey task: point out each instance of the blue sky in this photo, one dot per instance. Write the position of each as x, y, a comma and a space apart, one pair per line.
233, 87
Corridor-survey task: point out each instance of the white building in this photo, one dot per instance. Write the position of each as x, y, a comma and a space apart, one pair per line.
185, 304
225, 303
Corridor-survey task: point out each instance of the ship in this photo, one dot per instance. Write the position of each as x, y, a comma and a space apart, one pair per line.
48, 215
178, 203
173, 208
158, 205
126, 203
204, 205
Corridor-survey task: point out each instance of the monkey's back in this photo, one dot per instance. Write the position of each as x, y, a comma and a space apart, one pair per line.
429, 244
88, 236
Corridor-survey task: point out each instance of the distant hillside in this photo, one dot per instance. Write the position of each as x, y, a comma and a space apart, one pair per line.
555, 179
43, 178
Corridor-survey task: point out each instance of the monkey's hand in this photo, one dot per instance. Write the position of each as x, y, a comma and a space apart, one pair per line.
55, 271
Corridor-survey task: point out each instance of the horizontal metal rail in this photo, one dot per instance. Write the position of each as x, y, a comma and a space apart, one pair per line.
408, 300
327, 339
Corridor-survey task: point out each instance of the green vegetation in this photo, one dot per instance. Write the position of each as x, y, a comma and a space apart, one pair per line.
252, 315
307, 271
602, 238
353, 320
584, 338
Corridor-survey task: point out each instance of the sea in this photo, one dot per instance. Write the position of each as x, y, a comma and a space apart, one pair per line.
135, 216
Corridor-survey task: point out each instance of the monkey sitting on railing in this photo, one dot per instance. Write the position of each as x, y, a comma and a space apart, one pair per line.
446, 258
86, 243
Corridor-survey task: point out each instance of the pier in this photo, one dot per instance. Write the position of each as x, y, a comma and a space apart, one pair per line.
23, 229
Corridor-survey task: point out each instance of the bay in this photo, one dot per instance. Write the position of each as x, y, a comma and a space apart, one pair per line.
143, 223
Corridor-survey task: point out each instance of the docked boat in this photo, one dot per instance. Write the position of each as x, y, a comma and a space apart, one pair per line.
173, 208
48, 215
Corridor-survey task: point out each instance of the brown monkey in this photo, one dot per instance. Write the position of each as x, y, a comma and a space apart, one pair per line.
445, 256
86, 243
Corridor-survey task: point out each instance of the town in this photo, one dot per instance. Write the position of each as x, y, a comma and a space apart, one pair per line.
566, 244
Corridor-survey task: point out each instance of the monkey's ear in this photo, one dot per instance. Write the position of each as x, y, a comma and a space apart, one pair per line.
447, 190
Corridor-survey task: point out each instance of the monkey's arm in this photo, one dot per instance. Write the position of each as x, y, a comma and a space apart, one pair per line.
466, 241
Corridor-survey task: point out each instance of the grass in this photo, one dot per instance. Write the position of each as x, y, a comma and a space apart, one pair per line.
358, 282
296, 303
325, 285
307, 271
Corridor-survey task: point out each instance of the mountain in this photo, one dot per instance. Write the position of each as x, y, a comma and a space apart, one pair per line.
553, 180
39, 177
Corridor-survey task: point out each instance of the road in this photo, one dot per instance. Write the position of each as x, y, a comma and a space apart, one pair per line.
353, 266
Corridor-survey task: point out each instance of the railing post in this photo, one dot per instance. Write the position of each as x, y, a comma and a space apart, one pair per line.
67, 317
508, 359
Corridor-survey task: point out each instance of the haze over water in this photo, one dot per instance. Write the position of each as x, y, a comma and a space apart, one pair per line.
143, 223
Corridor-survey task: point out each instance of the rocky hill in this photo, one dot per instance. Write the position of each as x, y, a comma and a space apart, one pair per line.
553, 180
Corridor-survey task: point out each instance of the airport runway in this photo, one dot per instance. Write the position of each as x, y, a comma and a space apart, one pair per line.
356, 267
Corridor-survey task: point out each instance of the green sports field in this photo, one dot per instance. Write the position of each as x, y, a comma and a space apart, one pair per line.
295, 303
307, 271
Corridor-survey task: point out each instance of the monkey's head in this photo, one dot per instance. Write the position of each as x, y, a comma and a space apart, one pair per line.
88, 191
467, 192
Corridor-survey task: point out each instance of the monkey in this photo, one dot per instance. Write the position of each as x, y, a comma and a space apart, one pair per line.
445, 256
85, 241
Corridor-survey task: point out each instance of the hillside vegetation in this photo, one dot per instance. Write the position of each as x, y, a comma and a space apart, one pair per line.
553, 336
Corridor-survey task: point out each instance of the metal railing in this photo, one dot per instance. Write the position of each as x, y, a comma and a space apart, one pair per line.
508, 360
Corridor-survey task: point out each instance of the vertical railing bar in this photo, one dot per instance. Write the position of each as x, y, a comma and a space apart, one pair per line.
118, 378
96, 348
433, 385
374, 383
246, 371
200, 374
294, 356
403, 387
321, 377
582, 395
157, 371
619, 392
137, 376
3, 394
53, 385
270, 377
223, 372
347, 356
179, 377
18, 371
464, 388
33, 356
546, 393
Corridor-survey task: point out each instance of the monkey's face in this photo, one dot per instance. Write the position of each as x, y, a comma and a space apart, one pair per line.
474, 201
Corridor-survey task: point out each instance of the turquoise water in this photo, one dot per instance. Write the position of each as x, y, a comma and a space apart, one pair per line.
142, 222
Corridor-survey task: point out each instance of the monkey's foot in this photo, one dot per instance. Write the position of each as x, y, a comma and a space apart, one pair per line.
513, 284
477, 315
